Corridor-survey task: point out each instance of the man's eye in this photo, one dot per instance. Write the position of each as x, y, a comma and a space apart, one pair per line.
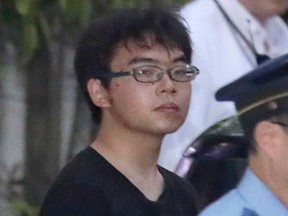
180, 72
146, 72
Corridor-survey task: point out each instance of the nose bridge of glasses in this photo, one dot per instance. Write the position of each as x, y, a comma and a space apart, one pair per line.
167, 73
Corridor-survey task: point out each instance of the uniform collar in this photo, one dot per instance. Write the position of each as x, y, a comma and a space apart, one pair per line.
252, 29
259, 198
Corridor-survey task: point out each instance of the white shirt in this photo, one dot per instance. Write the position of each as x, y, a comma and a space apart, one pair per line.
222, 56
250, 198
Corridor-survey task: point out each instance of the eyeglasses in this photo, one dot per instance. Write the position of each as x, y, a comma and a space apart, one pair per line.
280, 123
151, 73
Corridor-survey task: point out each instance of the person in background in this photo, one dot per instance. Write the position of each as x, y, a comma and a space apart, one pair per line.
230, 38
261, 99
134, 69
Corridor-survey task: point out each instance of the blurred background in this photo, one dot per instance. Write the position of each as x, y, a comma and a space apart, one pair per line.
43, 120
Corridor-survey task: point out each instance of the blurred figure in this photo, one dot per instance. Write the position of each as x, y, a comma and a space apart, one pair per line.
261, 98
133, 67
230, 37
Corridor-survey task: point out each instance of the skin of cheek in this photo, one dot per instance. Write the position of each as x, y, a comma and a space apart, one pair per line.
135, 111
282, 162
124, 95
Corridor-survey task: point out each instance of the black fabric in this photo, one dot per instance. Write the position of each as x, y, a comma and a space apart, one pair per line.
90, 186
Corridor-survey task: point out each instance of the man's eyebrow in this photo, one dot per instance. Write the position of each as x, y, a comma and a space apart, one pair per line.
135, 60
142, 59
181, 58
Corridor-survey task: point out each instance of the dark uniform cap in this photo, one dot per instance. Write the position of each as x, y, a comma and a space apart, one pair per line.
261, 93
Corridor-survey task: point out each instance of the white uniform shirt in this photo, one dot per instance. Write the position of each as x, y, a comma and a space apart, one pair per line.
250, 198
222, 56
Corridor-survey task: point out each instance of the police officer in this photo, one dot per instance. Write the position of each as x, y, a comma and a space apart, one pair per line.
261, 99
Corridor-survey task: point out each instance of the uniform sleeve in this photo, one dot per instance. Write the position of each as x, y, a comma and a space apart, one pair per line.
75, 200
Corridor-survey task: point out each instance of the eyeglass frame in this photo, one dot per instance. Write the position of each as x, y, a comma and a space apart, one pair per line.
132, 72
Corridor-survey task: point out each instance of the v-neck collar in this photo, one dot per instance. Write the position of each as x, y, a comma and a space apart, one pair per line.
137, 191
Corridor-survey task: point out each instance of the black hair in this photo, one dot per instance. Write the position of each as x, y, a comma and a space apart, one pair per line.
99, 41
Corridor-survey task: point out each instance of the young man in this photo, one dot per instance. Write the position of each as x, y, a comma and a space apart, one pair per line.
134, 69
261, 98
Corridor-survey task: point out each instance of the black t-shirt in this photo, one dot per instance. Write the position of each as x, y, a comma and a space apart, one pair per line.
90, 186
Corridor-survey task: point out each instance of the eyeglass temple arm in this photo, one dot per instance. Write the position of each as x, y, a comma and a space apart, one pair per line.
110, 75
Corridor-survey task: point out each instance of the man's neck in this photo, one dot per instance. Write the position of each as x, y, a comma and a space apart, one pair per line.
274, 180
261, 15
135, 156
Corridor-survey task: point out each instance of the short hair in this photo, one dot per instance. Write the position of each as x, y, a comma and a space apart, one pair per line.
99, 41
283, 118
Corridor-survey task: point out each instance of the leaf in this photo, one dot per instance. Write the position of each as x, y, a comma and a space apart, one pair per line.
63, 4
86, 12
75, 12
23, 6
24, 208
30, 38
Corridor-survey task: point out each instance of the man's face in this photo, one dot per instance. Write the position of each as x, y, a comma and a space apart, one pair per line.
266, 8
156, 108
281, 162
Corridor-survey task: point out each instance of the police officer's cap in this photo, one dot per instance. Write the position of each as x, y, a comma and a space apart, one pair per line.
261, 93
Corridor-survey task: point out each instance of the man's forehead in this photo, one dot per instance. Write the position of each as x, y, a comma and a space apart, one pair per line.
148, 41
154, 54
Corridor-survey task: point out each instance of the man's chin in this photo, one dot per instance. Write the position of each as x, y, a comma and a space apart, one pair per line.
173, 129
171, 126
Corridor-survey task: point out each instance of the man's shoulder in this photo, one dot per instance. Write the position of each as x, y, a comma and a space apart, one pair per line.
78, 187
84, 166
229, 204
178, 184
181, 190
75, 199
173, 178
203, 19
199, 9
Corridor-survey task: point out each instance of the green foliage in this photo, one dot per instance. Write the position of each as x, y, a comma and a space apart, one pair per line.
24, 26
23, 7
24, 208
29, 40
139, 3
75, 11
30, 24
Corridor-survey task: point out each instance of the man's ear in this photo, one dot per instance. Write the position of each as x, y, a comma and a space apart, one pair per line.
265, 135
98, 93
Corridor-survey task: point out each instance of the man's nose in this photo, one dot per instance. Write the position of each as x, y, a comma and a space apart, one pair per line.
166, 84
